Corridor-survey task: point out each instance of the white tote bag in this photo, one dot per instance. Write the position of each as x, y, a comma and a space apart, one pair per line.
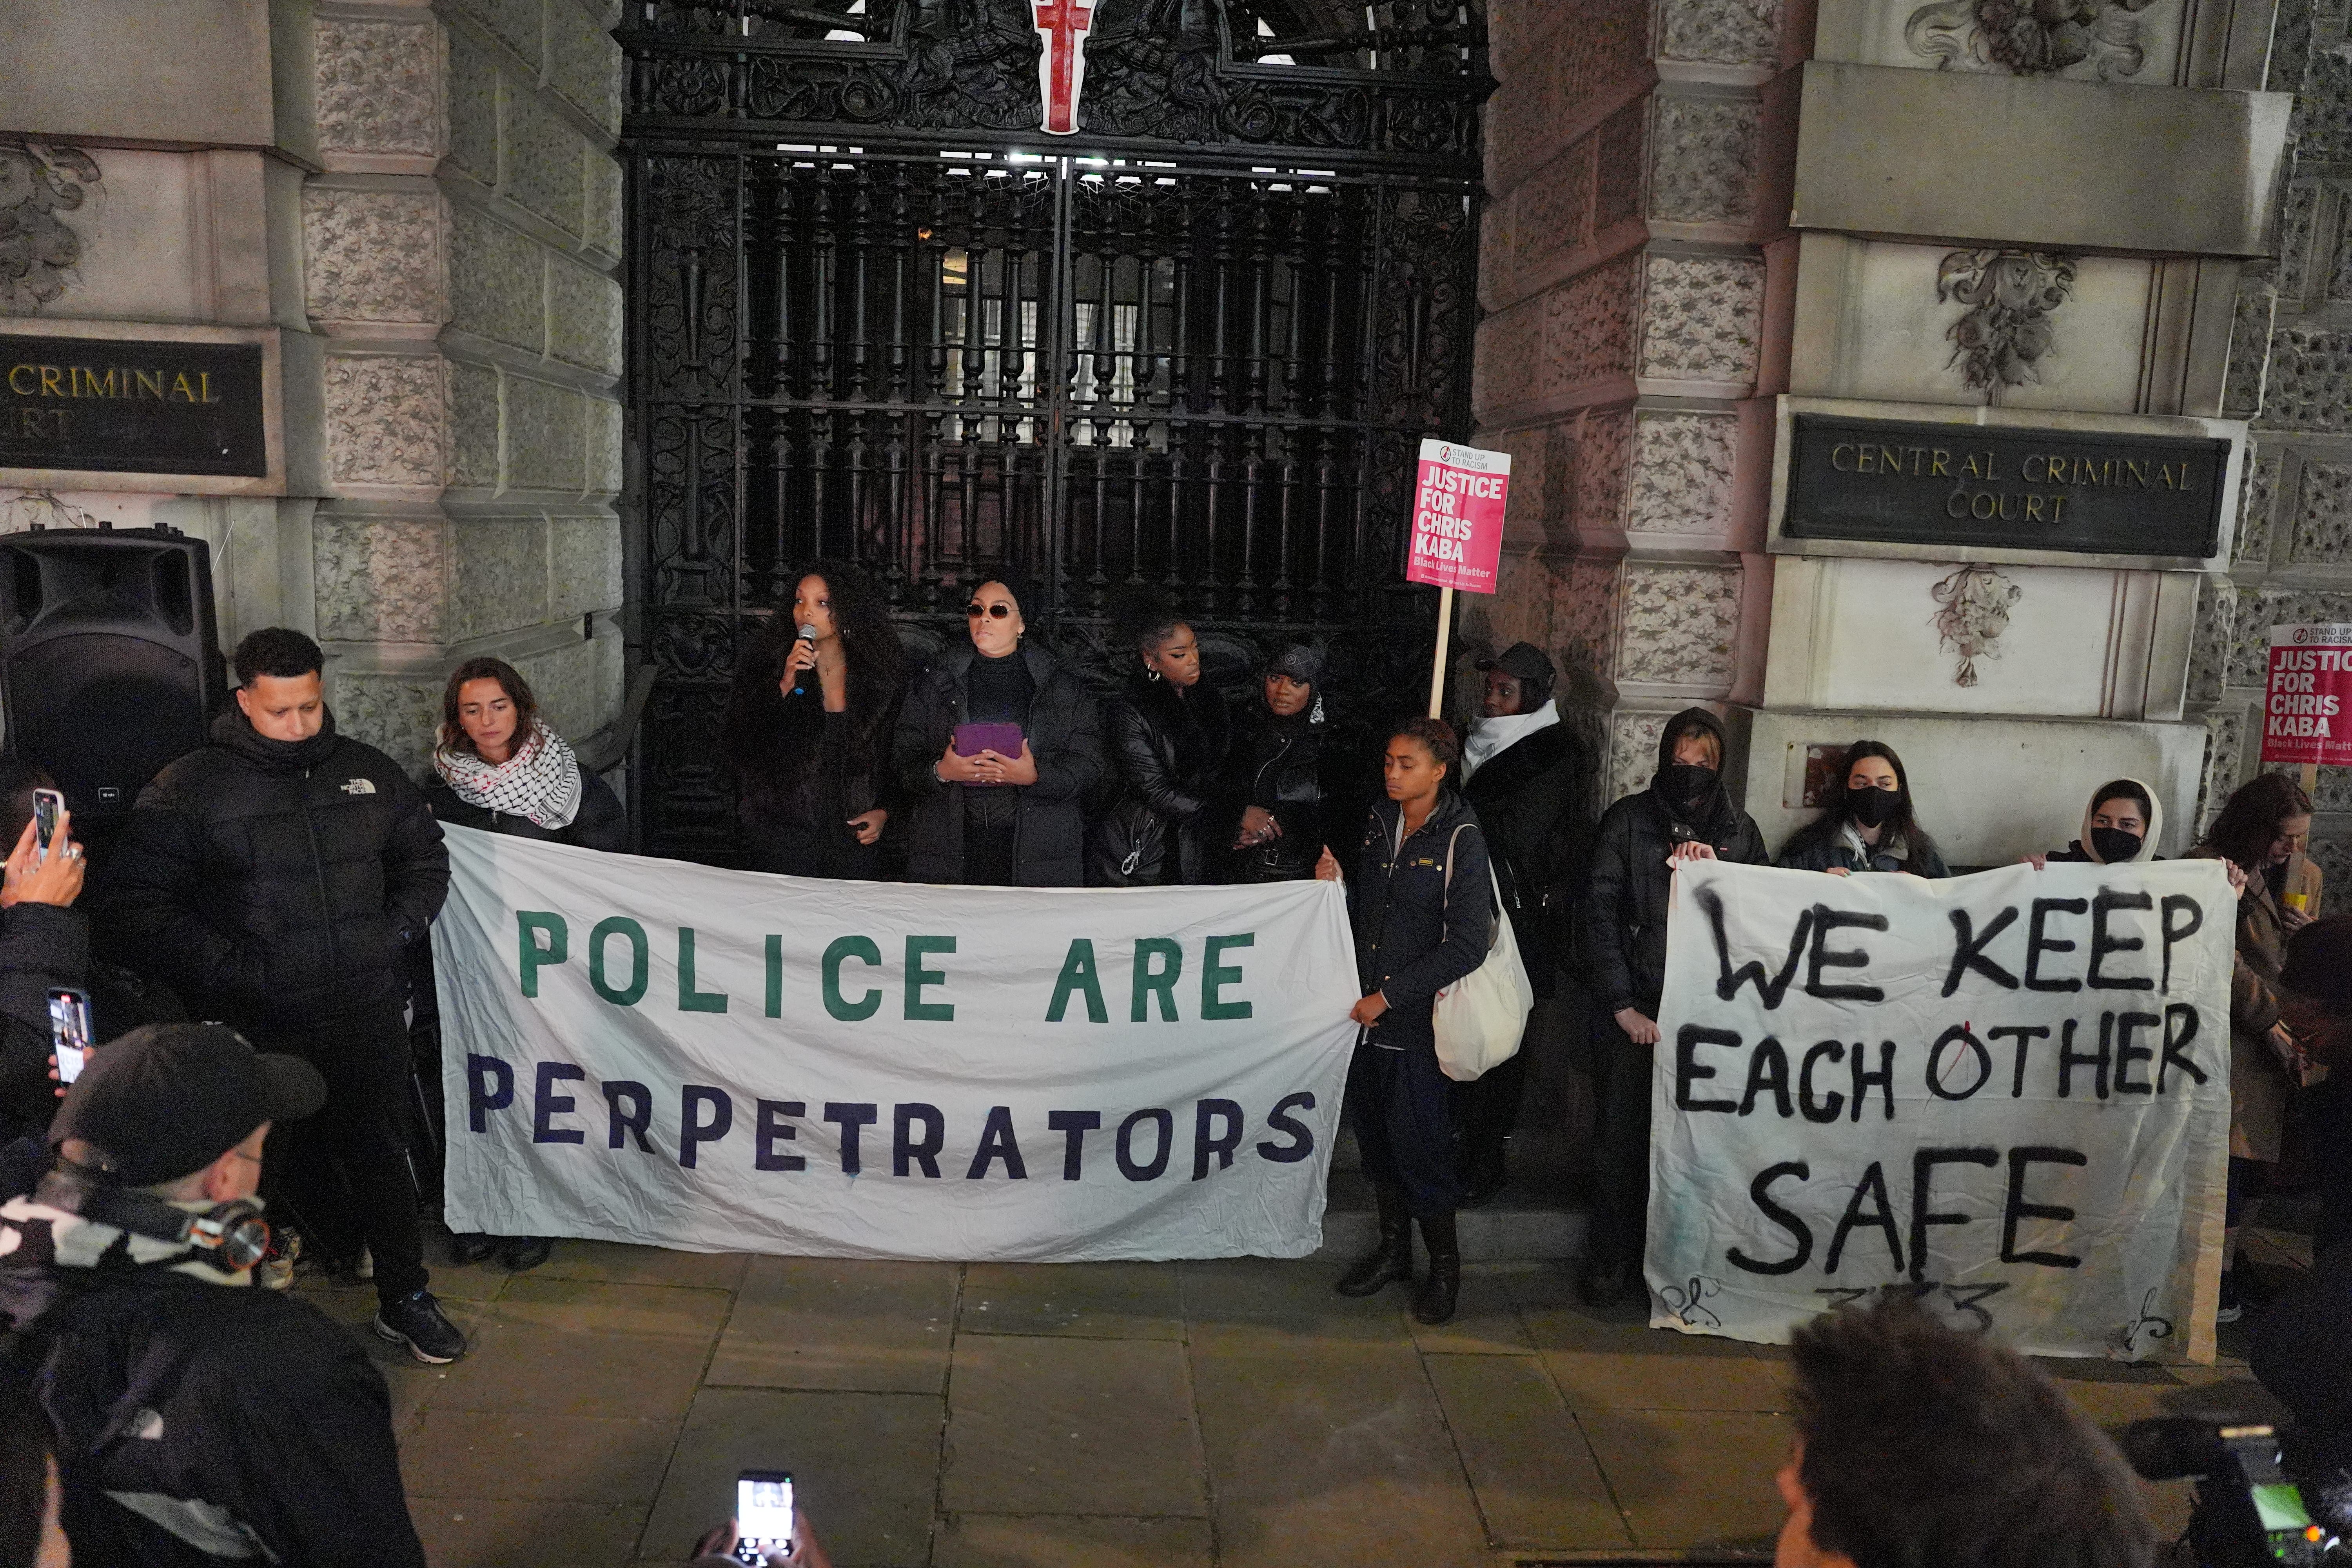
1480, 1017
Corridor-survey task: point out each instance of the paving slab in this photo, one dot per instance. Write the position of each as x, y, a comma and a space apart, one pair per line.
568, 1347
1537, 1482
864, 1468
1329, 1452
1046, 1540
1072, 1427
619, 1263
1293, 1296
1486, 1319
531, 1456
1603, 1361
481, 1532
1091, 1300
833, 1323
1692, 1478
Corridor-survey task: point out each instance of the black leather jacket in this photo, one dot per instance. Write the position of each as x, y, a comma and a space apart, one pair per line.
1167, 746
1277, 764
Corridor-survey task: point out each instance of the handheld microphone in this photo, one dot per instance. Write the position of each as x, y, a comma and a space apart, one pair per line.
808, 635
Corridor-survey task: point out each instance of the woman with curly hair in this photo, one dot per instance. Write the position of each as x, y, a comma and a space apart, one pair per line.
808, 728
1167, 735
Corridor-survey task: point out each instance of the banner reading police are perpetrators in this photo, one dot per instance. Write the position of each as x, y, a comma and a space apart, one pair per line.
2007, 1093
648, 1051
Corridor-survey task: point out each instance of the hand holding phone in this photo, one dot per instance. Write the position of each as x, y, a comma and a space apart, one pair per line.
763, 1515
44, 872
48, 812
70, 1031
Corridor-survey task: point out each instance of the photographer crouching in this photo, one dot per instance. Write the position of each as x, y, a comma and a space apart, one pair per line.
196, 1419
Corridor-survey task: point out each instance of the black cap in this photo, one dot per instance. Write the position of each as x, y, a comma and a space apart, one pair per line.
2319, 963
1300, 661
1522, 661
167, 1099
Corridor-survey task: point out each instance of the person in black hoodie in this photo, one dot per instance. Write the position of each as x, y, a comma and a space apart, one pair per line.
501, 770
1276, 772
809, 729
981, 815
1686, 814
1423, 911
276, 878
197, 1419
1167, 736
1530, 781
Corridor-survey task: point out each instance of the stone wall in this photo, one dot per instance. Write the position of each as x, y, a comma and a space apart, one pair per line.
1625, 290
416, 206
2290, 373
460, 250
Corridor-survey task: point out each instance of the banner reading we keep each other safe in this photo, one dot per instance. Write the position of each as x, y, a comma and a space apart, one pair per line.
649, 1051
2007, 1093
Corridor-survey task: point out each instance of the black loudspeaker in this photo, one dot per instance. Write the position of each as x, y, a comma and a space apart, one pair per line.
109, 661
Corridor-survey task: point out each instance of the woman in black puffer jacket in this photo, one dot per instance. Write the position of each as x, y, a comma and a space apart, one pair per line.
1167, 737
984, 816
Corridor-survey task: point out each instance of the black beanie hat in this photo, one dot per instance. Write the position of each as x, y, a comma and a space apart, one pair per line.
1017, 583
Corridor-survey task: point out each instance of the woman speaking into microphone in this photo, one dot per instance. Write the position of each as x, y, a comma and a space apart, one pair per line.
808, 729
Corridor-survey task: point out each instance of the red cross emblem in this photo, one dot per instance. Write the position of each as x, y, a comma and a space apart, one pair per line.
1062, 68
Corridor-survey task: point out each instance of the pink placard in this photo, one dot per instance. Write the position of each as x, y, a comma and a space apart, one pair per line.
1457, 516
2307, 701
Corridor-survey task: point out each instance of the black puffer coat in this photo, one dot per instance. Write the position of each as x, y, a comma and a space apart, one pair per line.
1625, 936
1167, 746
274, 882
1532, 799
1065, 737
1418, 930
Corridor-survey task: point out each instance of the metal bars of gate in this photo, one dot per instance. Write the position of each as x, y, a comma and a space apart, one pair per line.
1201, 378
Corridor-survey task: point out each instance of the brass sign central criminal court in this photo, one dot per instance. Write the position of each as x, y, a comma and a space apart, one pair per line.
142, 407
1889, 481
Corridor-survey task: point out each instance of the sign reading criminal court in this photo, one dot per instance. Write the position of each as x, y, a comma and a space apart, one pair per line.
2307, 700
1889, 482
145, 407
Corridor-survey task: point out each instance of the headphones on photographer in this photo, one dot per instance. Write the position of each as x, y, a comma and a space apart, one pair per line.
231, 1235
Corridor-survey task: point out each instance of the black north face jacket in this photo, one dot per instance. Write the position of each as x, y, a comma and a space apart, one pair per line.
276, 882
198, 1420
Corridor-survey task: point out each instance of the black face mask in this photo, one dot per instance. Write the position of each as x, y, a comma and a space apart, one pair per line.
2115, 846
1872, 807
1685, 784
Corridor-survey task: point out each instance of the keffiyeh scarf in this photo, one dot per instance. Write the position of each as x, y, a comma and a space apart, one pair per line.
540, 782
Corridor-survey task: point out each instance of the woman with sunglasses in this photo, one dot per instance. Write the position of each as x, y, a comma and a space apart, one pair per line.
998, 746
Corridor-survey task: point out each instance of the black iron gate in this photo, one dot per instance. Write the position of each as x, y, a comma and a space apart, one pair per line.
874, 313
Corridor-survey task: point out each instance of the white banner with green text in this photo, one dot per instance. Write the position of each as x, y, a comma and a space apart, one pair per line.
2007, 1094
650, 1051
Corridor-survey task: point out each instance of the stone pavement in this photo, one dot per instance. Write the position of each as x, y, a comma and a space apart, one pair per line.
1231, 1413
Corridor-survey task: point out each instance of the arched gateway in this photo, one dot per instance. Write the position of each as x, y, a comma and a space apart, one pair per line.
1155, 291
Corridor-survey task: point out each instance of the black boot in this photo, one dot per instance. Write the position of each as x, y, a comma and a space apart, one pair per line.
1434, 1303
1393, 1260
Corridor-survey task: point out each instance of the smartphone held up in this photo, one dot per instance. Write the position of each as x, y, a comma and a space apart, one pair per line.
70, 1031
763, 1515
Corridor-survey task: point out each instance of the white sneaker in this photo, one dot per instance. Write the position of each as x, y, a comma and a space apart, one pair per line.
365, 1268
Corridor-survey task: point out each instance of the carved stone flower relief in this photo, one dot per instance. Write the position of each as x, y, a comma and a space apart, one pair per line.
2006, 329
38, 247
1972, 611
2030, 37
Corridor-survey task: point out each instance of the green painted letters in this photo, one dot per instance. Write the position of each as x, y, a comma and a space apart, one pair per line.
918, 977
1215, 976
1078, 974
862, 948
690, 1000
640, 965
530, 953
1149, 979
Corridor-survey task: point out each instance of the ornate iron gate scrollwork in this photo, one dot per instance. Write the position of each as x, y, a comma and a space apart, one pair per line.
873, 311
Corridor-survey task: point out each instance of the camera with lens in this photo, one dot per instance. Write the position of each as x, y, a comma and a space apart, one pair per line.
2259, 1503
